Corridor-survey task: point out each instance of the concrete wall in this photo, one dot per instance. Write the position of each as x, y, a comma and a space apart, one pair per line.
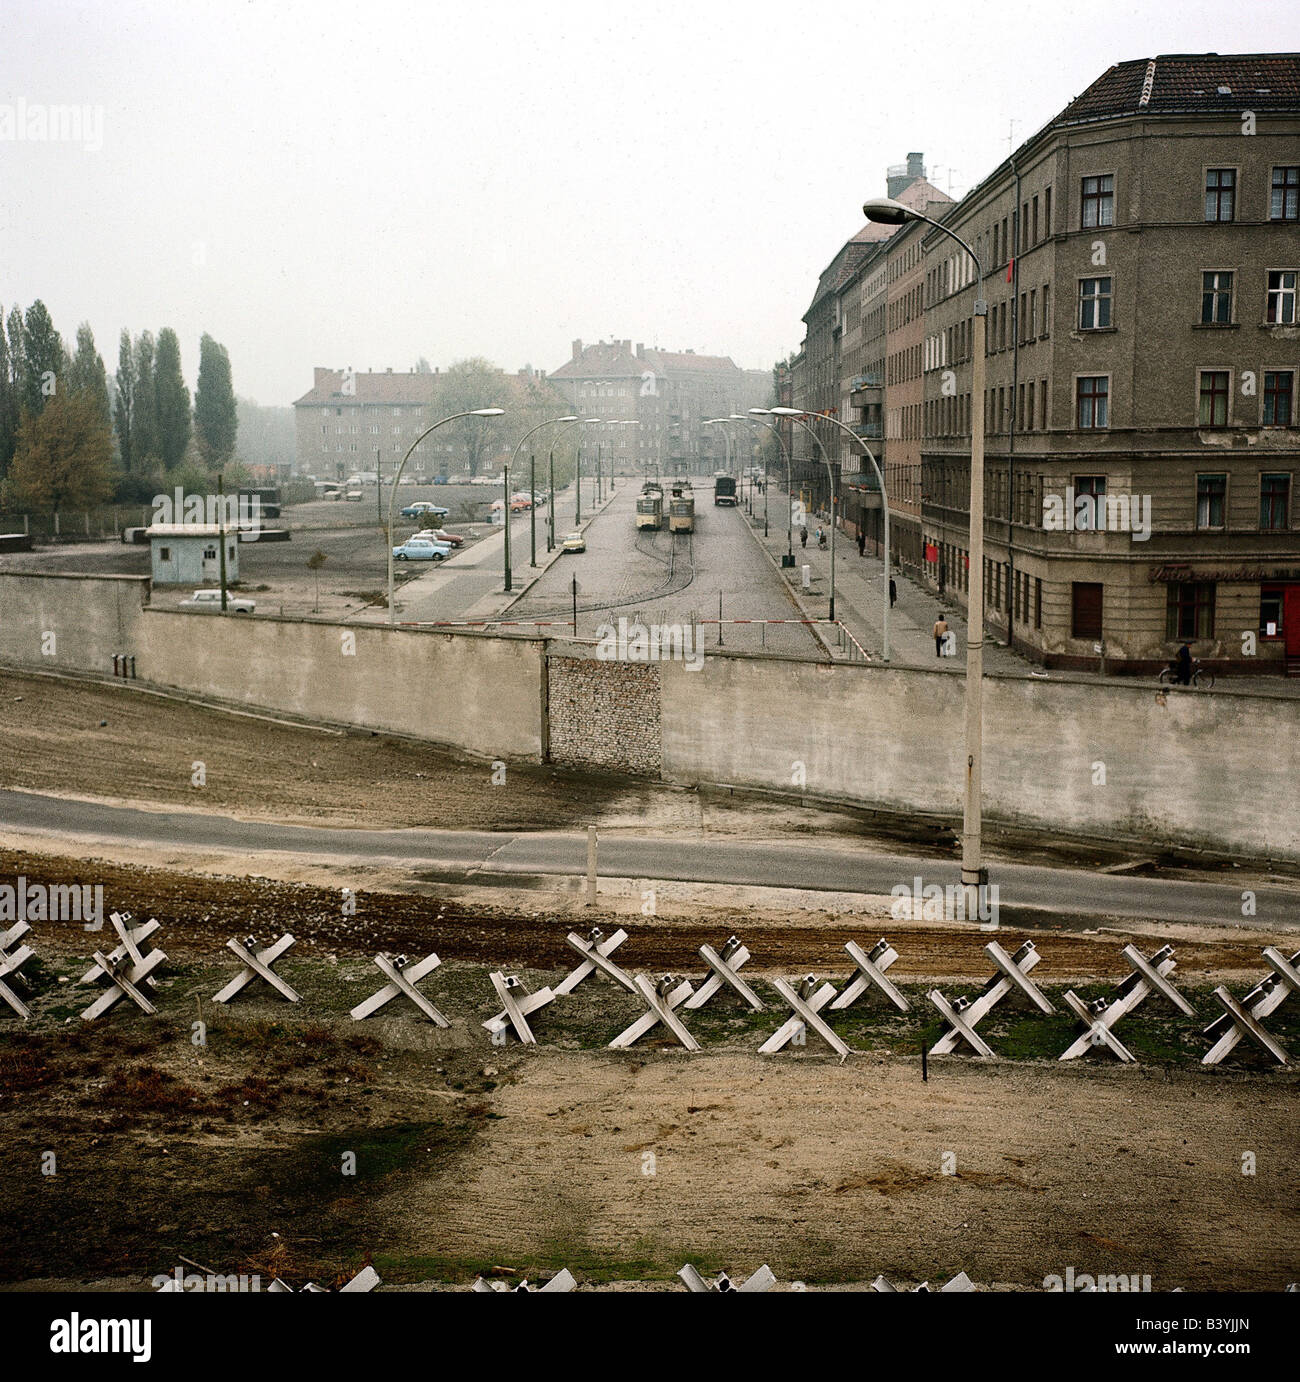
1214, 770
471, 692
69, 623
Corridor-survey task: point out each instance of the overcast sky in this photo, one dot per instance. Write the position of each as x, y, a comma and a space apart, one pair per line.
361, 183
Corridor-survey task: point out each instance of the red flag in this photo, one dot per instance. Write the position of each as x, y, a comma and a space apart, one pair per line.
1011, 264
931, 552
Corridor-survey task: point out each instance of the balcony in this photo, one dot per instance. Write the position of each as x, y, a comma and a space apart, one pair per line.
869, 431
867, 390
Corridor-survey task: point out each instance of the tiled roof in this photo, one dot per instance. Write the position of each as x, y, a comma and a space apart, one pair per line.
372, 388
1179, 83
613, 360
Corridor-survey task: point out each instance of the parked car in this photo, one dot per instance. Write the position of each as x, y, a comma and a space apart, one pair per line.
209, 602
441, 535
421, 549
355, 495
520, 504
424, 508
575, 542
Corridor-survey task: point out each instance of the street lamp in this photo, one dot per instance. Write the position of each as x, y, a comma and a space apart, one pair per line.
789, 483
726, 439
797, 415
973, 873
473, 412
532, 486
884, 502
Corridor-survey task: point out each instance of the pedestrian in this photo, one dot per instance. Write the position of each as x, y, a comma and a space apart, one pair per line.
940, 633
1183, 665
862, 542
893, 593
803, 536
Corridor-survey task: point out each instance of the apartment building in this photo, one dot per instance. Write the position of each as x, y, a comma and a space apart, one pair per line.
1141, 259
669, 394
351, 421
840, 368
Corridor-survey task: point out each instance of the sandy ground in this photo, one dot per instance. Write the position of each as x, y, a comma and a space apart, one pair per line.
471, 1158
620, 1166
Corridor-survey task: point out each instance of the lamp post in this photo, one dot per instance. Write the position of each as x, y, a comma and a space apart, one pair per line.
884, 502
789, 483
473, 412
797, 416
532, 484
973, 873
726, 439
579, 422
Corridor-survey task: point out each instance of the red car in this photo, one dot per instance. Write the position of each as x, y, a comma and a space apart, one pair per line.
441, 535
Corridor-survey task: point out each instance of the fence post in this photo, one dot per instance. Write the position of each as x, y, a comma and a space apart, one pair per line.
591, 866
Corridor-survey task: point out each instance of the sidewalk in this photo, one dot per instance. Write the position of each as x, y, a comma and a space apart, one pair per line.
859, 598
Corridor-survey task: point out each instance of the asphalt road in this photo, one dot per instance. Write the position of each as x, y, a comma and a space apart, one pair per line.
671, 578
1075, 896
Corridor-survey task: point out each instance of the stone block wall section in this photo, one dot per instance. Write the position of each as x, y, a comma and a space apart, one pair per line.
604, 715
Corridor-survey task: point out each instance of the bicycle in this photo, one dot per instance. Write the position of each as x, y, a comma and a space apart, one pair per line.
1202, 677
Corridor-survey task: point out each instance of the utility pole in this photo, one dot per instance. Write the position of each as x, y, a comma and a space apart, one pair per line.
550, 508
505, 518
221, 533
532, 509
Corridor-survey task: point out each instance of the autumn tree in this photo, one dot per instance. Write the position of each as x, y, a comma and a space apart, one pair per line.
64, 457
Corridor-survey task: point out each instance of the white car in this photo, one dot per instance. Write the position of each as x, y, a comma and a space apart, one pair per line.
209, 602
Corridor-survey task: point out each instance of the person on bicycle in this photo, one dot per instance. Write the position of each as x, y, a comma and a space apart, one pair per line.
1183, 665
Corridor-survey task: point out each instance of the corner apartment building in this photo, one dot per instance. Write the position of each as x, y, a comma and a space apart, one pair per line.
669, 394
840, 369
1142, 268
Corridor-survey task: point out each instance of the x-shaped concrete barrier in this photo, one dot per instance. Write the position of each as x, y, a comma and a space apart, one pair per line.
965, 1014
723, 967
1244, 1019
402, 978
257, 964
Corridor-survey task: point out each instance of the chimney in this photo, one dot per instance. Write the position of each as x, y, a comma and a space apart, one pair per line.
640, 350
916, 165
321, 375
577, 350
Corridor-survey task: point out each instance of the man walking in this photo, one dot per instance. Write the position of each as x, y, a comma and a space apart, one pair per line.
940, 633
803, 536
862, 542
893, 593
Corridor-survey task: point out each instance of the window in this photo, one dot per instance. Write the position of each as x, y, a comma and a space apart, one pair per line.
1046, 322
1211, 491
1090, 516
1034, 241
1047, 212
164, 554
1093, 394
1278, 388
1189, 610
1030, 419
1280, 306
1085, 612
1220, 194
1214, 398
1094, 304
1038, 603
1099, 201
1284, 202
1216, 298
1274, 502
1271, 601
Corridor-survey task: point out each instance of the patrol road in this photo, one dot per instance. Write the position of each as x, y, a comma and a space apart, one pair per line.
1076, 896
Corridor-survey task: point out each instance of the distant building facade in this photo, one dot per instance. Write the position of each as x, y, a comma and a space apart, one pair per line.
669, 395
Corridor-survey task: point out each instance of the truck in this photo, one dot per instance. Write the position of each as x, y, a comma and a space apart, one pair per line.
724, 490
